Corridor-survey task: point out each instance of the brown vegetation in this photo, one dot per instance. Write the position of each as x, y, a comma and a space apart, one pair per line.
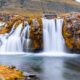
35, 30
10, 73
71, 30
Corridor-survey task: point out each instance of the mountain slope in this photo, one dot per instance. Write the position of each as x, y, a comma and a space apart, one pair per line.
39, 6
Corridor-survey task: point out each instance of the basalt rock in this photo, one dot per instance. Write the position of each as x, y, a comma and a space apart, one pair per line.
36, 33
71, 31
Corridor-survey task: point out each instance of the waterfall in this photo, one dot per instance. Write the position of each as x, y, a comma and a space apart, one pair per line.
3, 42
11, 41
1, 24
60, 39
52, 35
14, 41
49, 34
3, 39
26, 36
19, 39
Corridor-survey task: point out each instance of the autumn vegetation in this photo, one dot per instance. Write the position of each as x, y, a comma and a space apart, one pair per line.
35, 30
10, 73
71, 30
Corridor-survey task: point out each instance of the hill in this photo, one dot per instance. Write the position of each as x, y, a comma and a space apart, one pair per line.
39, 7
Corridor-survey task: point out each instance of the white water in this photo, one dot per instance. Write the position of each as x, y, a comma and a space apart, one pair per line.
59, 38
26, 36
78, 0
52, 35
14, 41
49, 34
17, 39
3, 43
1, 24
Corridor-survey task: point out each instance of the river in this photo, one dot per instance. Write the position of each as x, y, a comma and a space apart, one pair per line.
46, 67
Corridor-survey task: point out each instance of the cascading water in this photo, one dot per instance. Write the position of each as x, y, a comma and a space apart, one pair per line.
17, 40
60, 40
3, 39
14, 41
1, 24
52, 35
11, 41
49, 34
26, 41
45, 35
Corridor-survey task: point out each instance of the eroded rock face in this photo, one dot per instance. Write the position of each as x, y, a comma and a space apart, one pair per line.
36, 33
71, 31
9, 20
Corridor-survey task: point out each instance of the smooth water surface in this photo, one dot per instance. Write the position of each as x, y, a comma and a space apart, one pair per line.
46, 68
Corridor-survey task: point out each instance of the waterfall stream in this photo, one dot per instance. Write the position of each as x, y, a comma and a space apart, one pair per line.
49, 34
1, 24
26, 36
14, 41
52, 35
60, 40
19, 39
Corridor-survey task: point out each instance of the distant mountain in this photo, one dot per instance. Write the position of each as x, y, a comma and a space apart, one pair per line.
39, 6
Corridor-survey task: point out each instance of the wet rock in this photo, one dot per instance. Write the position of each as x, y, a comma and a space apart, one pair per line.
71, 31
36, 31
28, 76
25, 74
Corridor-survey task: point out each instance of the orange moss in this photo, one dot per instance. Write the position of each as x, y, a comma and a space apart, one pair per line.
35, 31
10, 74
71, 30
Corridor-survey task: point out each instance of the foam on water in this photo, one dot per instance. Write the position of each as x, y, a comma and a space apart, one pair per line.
43, 54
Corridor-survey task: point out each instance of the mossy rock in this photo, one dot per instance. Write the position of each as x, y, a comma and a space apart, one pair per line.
71, 31
10, 73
